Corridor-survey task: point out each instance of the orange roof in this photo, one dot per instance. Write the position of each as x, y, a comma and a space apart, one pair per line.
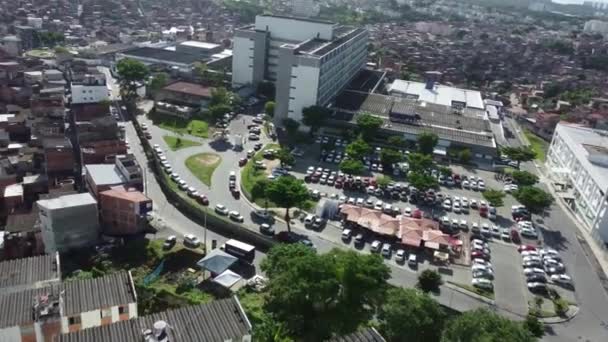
130, 194
373, 220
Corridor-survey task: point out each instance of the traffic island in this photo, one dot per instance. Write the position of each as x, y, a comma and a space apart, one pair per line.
203, 165
177, 143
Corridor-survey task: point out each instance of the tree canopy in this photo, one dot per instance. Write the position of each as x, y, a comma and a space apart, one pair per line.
494, 197
519, 154
524, 178
427, 142
312, 294
291, 126
285, 156
410, 316
352, 166
287, 192
131, 72
358, 149
314, 117
389, 156
158, 81
419, 162
422, 181
535, 199
429, 281
397, 141
368, 125
482, 325
269, 108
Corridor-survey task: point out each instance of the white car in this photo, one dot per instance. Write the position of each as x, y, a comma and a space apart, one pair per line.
342, 199
386, 250
548, 252
221, 209
369, 203
412, 260
529, 253
407, 211
360, 201
235, 216
482, 262
191, 240
473, 203
378, 205
375, 247
351, 200
561, 279
481, 186
533, 270
347, 234
447, 205
479, 267
400, 256
531, 259
456, 207
466, 184
482, 283
463, 224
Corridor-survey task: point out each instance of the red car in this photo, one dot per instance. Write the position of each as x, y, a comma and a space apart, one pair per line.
242, 161
202, 199
478, 254
515, 235
373, 182
526, 248
483, 211
417, 213
338, 185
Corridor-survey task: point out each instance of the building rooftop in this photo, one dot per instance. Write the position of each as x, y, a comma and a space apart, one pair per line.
67, 201
200, 45
13, 190
311, 20
105, 174
78, 296
163, 55
217, 321
128, 194
588, 145
28, 271
189, 89
22, 222
440, 94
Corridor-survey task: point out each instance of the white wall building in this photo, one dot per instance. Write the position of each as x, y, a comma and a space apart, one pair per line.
577, 163
310, 61
91, 89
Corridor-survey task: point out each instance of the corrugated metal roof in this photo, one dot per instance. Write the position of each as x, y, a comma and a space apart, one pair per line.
440, 94
78, 296
219, 320
25, 271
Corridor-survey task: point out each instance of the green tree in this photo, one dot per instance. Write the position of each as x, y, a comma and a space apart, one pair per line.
419, 162
494, 197
383, 181
535, 199
389, 156
286, 158
220, 96
157, 82
534, 326
464, 156
444, 170
281, 257
287, 192
131, 73
524, 178
314, 117
368, 125
219, 110
258, 190
519, 154
427, 142
358, 149
482, 325
397, 141
410, 316
200, 70
270, 330
352, 166
422, 181
291, 126
429, 281
269, 108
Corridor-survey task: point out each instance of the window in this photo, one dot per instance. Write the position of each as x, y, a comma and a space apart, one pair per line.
123, 310
74, 320
106, 313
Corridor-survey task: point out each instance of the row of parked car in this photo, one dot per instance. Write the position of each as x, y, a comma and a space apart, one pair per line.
385, 249
538, 263
482, 270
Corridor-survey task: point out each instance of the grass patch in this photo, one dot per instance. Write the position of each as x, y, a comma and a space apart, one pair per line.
537, 144
202, 166
196, 127
250, 175
471, 288
177, 143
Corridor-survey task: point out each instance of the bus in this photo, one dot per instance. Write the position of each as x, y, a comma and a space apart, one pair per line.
241, 250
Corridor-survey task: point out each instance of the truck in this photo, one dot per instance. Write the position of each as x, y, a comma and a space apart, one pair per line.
241, 250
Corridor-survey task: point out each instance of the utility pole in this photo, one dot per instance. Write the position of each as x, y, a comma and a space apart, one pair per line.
205, 231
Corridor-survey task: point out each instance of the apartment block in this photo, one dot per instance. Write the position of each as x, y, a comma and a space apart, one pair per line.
123, 211
577, 163
68, 222
91, 88
310, 61
125, 171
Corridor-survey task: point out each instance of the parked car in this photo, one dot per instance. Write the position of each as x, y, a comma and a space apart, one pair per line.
221, 209
202, 199
266, 229
376, 246
236, 216
523, 248
169, 242
400, 256
412, 260
386, 250
533, 270
359, 240
537, 287
562, 279
191, 241
482, 283
484, 275
347, 234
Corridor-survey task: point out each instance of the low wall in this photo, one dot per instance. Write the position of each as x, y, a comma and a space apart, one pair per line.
196, 213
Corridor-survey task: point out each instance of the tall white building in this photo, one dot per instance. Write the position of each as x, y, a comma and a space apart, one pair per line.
309, 61
577, 163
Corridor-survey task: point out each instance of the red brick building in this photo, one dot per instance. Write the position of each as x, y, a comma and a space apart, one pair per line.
123, 211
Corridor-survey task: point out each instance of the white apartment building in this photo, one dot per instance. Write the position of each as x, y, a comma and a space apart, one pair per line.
90, 89
310, 61
577, 163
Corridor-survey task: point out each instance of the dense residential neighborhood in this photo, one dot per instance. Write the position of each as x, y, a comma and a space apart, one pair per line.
303, 170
